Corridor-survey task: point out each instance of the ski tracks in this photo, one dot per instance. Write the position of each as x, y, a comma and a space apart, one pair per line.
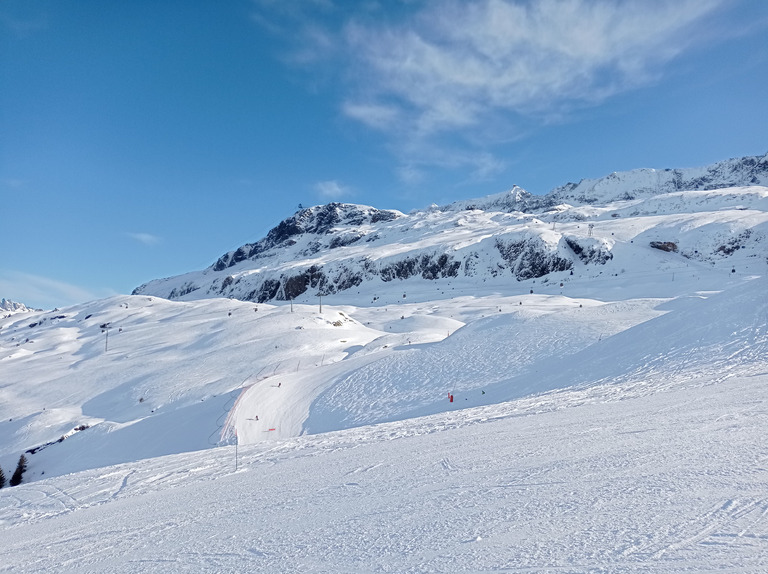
734, 522
365, 469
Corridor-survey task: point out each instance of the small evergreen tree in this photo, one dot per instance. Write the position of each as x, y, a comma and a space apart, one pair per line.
2, 478
20, 468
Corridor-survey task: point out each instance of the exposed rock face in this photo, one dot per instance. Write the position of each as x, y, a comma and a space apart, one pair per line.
596, 251
429, 266
185, 289
668, 246
530, 258
318, 220
333, 248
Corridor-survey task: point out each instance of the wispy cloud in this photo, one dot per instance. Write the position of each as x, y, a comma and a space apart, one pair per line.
43, 292
447, 80
25, 22
417, 158
145, 238
374, 115
332, 189
303, 24
463, 65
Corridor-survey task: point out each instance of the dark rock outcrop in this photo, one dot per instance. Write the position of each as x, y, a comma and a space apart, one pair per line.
668, 246
318, 220
529, 258
588, 253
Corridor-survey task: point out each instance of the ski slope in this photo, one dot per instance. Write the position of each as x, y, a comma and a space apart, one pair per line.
649, 459
607, 417
194, 375
571, 481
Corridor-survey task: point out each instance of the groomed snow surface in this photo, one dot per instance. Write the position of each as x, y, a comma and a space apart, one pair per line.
585, 435
569, 482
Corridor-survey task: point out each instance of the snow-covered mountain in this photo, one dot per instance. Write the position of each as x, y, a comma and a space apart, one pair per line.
628, 185
12, 306
647, 182
549, 282
704, 214
514, 383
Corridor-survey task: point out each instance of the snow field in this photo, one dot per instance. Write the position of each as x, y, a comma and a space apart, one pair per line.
167, 373
192, 375
667, 482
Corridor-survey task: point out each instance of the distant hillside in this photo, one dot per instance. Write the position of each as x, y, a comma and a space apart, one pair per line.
715, 214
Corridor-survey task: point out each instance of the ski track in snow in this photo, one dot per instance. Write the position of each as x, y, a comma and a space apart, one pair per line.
666, 482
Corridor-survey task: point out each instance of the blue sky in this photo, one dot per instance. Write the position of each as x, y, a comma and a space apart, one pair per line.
144, 139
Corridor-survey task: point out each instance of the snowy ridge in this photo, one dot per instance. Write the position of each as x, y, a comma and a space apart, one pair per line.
647, 182
336, 248
628, 185
13, 306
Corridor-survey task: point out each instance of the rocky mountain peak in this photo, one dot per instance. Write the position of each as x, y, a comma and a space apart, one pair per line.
514, 235
316, 220
12, 306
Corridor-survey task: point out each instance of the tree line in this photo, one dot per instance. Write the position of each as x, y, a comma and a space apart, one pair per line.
21, 467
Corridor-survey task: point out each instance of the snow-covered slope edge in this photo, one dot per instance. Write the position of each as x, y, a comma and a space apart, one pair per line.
697, 341
127, 377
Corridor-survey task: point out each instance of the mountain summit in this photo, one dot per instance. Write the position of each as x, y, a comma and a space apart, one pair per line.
12, 306
334, 248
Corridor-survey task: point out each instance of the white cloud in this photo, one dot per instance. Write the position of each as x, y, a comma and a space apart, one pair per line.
302, 24
145, 238
331, 189
459, 65
447, 80
43, 292
410, 174
374, 115
480, 165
